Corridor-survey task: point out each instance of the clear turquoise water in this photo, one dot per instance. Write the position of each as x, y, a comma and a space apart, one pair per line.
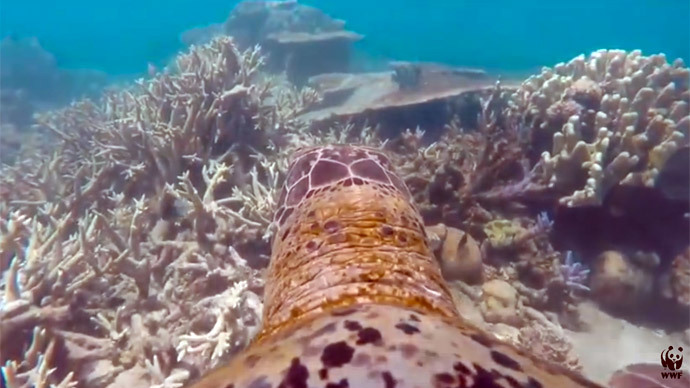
121, 36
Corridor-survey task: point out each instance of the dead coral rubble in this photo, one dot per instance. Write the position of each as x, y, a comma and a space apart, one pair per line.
121, 253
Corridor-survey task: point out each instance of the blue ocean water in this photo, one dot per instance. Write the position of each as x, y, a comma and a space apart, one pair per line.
121, 37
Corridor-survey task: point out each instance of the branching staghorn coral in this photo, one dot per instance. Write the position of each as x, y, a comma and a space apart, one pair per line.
454, 178
289, 102
36, 365
171, 122
92, 269
124, 246
574, 273
562, 283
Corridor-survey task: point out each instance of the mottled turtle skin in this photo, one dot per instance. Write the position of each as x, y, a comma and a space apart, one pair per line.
354, 297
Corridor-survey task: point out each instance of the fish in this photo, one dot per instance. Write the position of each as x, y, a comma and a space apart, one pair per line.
354, 297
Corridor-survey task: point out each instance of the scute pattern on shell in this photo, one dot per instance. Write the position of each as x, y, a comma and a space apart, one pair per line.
313, 169
354, 297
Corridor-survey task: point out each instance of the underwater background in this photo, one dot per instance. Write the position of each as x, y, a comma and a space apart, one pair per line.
291, 194
120, 37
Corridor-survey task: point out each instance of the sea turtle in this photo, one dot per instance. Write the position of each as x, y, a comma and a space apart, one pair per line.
354, 297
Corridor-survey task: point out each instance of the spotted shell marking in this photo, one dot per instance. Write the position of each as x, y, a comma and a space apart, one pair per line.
355, 299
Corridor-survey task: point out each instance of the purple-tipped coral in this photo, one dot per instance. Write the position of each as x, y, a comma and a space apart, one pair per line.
574, 273
544, 223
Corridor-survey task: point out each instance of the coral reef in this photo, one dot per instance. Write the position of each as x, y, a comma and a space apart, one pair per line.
407, 75
500, 308
611, 118
15, 107
302, 55
20, 142
30, 81
124, 247
298, 39
378, 99
352, 277
25, 66
502, 234
574, 273
551, 343
673, 176
132, 250
252, 22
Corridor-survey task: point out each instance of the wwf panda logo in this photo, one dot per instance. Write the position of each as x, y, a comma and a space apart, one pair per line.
672, 361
